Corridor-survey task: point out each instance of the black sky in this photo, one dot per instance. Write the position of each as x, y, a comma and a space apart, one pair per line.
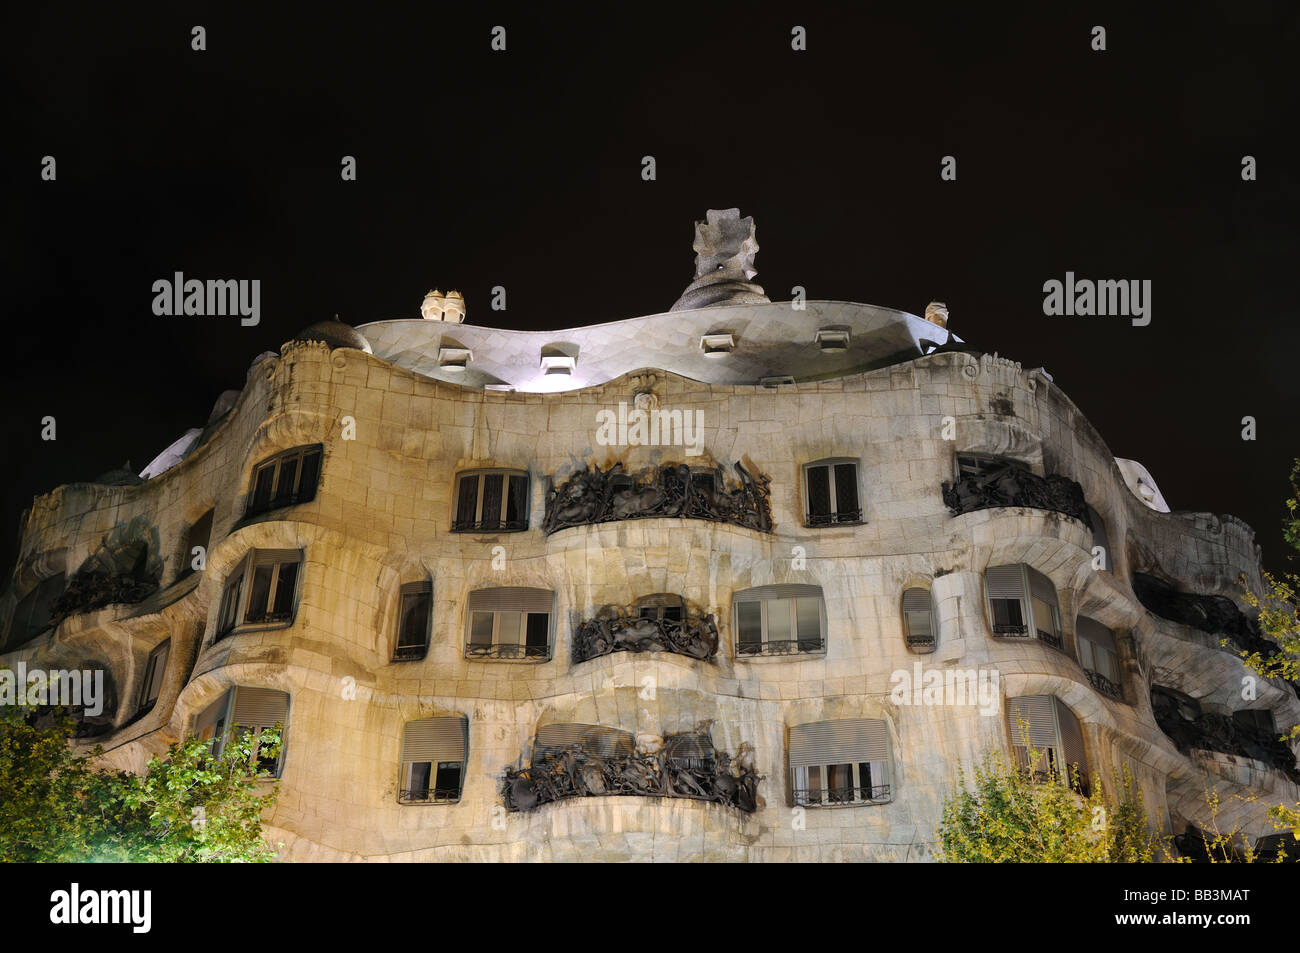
478, 168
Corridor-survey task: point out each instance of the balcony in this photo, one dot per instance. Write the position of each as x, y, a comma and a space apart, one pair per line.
428, 796
1104, 685
1013, 486
409, 653
1215, 615
595, 496
843, 517
507, 650
694, 636
819, 797
1180, 717
781, 647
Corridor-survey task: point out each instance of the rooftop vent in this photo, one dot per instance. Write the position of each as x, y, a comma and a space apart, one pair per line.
717, 344
504, 388
771, 383
832, 340
557, 364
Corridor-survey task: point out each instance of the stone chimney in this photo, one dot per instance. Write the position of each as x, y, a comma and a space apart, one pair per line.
725, 246
936, 312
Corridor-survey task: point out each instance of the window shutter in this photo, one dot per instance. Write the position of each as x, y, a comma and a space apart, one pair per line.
846, 488
1041, 587
1005, 582
260, 706
916, 600
1038, 711
1071, 733
212, 714
1096, 633
267, 557
819, 490
599, 740
783, 591
511, 599
435, 739
839, 742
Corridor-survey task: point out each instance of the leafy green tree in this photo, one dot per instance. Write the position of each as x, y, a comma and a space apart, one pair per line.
188, 806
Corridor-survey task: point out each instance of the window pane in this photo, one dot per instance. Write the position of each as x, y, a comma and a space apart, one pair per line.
418, 780
846, 490
839, 783
262, 487
230, 603
819, 492
672, 614
1086, 658
308, 478
480, 628
447, 784
865, 781
508, 628
749, 625
467, 501
284, 484
808, 619
517, 499
493, 484
1007, 615
1045, 617
284, 589
415, 619
918, 624
815, 784
260, 594
778, 620
537, 636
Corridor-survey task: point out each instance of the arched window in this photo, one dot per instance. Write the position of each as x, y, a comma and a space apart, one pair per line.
840, 762
779, 620
1047, 739
433, 760
920, 627
512, 622
491, 501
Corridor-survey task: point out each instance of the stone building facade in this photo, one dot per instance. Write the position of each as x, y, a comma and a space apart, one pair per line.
498, 624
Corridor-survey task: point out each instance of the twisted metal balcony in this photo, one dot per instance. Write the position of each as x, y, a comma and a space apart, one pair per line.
695, 636
1013, 486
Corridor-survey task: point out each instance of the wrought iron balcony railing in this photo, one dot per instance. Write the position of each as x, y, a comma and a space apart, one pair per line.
1010, 630
512, 650
830, 519
781, 647
409, 653
1050, 638
820, 797
920, 641
1104, 685
489, 526
429, 796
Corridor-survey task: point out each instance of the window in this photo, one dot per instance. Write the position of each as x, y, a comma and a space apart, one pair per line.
1257, 721
154, 670
261, 590
241, 709
35, 611
509, 623
1099, 657
433, 760
1099, 538
779, 620
285, 479
199, 534
413, 611
491, 500
831, 492
920, 629
661, 607
840, 762
982, 464
1047, 740
1023, 603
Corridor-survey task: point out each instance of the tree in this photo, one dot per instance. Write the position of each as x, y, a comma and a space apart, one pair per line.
188, 806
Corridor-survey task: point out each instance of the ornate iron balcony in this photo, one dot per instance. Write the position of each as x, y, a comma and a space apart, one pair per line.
1048, 638
920, 641
512, 650
1014, 631
781, 647
1104, 685
830, 519
695, 636
821, 797
601, 496
428, 796
1012, 486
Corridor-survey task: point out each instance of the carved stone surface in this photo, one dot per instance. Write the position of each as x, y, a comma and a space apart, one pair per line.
687, 766
1012, 486
1179, 716
602, 496
1217, 615
695, 636
125, 568
725, 246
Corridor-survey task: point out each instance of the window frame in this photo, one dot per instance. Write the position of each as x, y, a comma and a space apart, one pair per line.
910, 639
978, 463
498, 651
801, 788
275, 464
223, 727
154, 674
1056, 751
407, 789
232, 615
1112, 688
833, 516
1055, 638
508, 475
409, 653
765, 642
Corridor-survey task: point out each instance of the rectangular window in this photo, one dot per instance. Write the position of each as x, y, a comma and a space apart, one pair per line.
154, 670
1047, 739
285, 480
831, 489
509, 623
1099, 657
840, 762
433, 760
270, 596
415, 602
779, 620
255, 710
199, 535
1008, 600
491, 501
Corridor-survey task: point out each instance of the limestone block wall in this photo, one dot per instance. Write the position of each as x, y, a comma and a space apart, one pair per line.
381, 517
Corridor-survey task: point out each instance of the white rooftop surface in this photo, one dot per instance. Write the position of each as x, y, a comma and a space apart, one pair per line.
771, 340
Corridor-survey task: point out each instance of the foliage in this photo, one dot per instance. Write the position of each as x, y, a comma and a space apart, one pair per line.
57, 806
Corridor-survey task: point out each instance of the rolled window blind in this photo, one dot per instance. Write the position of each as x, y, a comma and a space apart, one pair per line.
1041, 587
1071, 733
1038, 711
260, 706
781, 591
435, 739
1005, 582
511, 599
845, 741
916, 600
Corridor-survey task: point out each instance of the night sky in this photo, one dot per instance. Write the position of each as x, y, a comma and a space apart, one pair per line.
522, 168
